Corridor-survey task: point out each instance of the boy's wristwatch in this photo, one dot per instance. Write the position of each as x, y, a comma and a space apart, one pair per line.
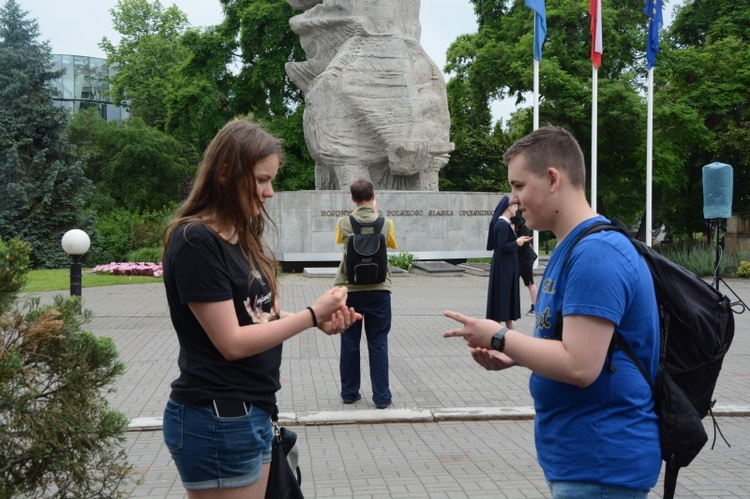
498, 340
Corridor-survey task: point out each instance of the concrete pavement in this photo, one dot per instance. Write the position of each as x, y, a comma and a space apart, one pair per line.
454, 430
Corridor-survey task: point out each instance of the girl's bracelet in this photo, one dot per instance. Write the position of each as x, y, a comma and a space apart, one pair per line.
315, 319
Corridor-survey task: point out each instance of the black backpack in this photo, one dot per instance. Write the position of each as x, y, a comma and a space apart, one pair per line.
696, 330
366, 257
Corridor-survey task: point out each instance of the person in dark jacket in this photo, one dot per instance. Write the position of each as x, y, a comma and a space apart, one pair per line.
526, 258
503, 295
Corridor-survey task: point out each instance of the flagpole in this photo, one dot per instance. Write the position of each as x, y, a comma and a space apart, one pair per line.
540, 31
536, 94
594, 128
649, 155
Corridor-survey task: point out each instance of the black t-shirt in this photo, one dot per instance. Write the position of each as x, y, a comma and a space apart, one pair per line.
525, 251
201, 267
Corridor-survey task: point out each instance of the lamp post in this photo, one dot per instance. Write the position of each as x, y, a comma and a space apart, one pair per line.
76, 243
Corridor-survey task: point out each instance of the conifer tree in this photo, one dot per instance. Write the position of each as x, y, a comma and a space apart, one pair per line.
59, 437
42, 184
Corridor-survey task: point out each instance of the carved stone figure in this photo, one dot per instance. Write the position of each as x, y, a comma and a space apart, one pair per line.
376, 104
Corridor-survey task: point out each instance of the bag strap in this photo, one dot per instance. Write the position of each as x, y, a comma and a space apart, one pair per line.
275, 423
617, 338
620, 341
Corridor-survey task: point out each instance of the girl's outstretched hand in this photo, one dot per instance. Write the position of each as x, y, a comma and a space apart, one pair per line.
340, 321
329, 302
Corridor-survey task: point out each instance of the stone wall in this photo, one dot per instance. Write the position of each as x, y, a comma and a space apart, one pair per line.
432, 225
737, 237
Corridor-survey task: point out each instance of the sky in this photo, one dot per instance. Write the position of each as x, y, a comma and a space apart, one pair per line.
78, 27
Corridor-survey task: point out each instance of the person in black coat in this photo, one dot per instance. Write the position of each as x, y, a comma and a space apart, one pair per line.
503, 294
526, 258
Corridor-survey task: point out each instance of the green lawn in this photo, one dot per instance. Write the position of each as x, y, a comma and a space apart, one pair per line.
59, 279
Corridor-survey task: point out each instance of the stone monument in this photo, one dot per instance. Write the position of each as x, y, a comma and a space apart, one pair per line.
376, 104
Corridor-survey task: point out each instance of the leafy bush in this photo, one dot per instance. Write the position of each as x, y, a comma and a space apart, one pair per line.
700, 258
14, 265
152, 255
402, 260
744, 269
121, 232
59, 438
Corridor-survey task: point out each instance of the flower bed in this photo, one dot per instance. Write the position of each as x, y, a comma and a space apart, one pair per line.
130, 268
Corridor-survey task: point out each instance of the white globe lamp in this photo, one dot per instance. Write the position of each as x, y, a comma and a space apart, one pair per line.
76, 243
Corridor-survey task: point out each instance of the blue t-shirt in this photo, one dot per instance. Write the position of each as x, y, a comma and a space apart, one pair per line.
607, 432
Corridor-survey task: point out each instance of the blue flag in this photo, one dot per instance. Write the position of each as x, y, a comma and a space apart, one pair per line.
655, 23
540, 25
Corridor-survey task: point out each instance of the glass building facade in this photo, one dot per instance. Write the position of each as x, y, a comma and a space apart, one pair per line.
84, 84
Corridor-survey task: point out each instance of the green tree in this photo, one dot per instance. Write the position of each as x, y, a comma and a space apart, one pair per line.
133, 166
258, 30
496, 63
701, 98
265, 43
58, 438
476, 164
703, 108
198, 103
234, 69
42, 185
149, 52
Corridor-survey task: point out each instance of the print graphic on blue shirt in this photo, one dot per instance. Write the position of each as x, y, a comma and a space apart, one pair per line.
548, 286
544, 324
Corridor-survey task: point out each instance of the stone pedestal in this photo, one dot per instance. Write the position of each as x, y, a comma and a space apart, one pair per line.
431, 225
737, 237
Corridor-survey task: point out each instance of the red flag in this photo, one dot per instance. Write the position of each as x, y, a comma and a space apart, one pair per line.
595, 9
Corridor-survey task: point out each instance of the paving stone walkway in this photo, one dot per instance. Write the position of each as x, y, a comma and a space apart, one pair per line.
454, 430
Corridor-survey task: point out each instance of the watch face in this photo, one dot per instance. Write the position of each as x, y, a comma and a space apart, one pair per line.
498, 342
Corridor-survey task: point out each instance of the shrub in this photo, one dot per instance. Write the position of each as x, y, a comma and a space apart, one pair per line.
58, 437
14, 264
402, 260
700, 258
744, 269
120, 232
152, 255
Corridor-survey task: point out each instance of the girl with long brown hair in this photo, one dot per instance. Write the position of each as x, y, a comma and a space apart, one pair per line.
222, 291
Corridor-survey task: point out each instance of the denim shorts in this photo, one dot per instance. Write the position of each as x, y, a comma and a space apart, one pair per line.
212, 452
583, 490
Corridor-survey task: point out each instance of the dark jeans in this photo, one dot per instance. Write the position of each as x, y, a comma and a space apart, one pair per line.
375, 307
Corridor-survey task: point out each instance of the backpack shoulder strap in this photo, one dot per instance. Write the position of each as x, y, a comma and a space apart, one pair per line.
617, 339
597, 227
616, 225
356, 226
620, 342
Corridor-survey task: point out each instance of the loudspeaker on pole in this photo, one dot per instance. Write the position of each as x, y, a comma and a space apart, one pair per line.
718, 188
